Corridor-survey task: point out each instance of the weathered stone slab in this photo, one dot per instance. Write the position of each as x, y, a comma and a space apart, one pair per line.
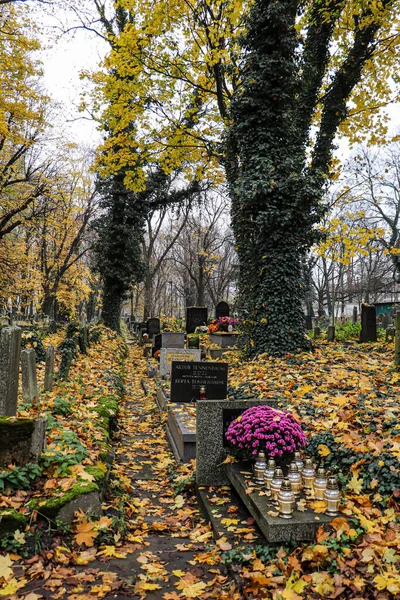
29, 379
49, 370
10, 350
212, 420
172, 339
181, 437
22, 440
302, 527
224, 340
176, 354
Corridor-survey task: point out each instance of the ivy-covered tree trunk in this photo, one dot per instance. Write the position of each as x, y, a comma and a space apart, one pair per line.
112, 300
277, 179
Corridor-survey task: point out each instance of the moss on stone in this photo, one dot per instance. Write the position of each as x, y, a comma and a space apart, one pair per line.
11, 520
97, 473
49, 507
14, 422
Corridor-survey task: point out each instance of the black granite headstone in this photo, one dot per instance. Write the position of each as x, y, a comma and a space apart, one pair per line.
188, 377
222, 310
153, 326
368, 323
196, 316
157, 342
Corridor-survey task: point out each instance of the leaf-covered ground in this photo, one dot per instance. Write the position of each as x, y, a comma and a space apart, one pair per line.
151, 541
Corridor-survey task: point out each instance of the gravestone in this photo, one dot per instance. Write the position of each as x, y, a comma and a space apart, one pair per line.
354, 314
22, 441
368, 323
157, 341
168, 355
172, 339
390, 334
153, 327
29, 380
317, 332
196, 316
222, 310
308, 323
142, 328
49, 370
385, 321
10, 350
331, 333
212, 420
188, 377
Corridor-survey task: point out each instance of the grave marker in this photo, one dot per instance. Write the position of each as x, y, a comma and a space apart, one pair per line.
153, 327
308, 323
212, 420
188, 377
29, 380
49, 370
196, 316
222, 310
168, 355
10, 350
368, 323
354, 314
172, 339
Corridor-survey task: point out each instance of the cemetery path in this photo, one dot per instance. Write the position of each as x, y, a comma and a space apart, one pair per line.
165, 549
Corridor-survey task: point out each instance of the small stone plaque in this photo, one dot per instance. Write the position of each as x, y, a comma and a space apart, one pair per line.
188, 378
196, 316
168, 355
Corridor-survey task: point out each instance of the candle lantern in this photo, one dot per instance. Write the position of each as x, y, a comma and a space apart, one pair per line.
295, 478
320, 483
269, 473
276, 483
299, 461
202, 393
332, 497
308, 474
259, 467
286, 500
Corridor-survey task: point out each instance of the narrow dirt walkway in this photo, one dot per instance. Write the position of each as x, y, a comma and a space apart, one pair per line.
176, 555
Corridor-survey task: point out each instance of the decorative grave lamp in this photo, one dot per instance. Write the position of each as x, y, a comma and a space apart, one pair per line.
202, 393
286, 500
269, 473
259, 467
295, 478
276, 483
332, 497
299, 461
308, 475
320, 483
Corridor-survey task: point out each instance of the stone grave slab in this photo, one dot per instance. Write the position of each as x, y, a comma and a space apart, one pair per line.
10, 350
368, 323
29, 379
302, 527
224, 340
181, 434
22, 440
213, 418
188, 377
168, 355
49, 370
157, 343
222, 310
172, 339
196, 316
